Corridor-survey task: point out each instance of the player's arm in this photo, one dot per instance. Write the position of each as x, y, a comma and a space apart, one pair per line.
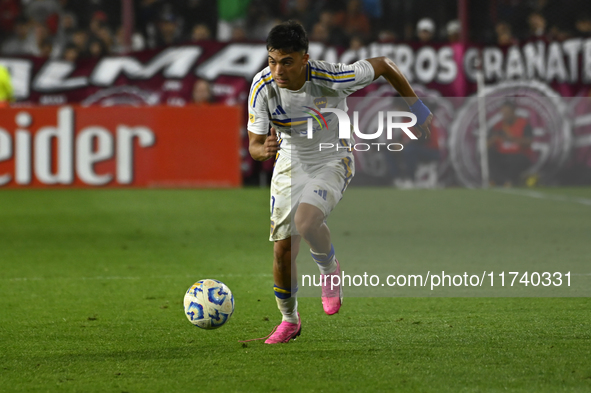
260, 146
263, 147
385, 67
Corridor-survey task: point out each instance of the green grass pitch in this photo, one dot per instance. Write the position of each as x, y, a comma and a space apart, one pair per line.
91, 288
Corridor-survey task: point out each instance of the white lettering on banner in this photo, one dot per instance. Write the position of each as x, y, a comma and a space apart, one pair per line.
387, 50
90, 146
534, 59
493, 63
125, 137
64, 133
515, 67
235, 59
86, 158
5, 153
375, 50
23, 157
587, 62
566, 62
555, 68
20, 72
553, 62
426, 64
54, 76
470, 63
404, 59
173, 62
572, 48
448, 68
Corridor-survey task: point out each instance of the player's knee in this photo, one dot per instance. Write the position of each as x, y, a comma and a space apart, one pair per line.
307, 225
303, 226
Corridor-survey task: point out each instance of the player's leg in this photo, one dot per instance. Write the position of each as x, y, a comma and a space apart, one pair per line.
284, 255
311, 225
284, 252
285, 249
319, 197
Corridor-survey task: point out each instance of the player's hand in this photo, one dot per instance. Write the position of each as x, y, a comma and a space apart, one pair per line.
271, 146
424, 130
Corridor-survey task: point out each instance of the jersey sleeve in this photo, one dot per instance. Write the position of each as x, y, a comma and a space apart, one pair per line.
345, 78
258, 112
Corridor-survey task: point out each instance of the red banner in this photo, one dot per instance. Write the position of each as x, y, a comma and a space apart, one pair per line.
166, 76
192, 146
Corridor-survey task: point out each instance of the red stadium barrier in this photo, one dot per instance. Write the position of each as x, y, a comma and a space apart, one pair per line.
72, 146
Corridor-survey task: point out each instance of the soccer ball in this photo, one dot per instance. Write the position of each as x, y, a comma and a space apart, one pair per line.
209, 304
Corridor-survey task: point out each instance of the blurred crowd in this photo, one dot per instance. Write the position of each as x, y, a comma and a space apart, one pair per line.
511, 22
71, 29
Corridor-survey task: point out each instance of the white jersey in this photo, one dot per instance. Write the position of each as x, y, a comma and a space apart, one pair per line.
327, 86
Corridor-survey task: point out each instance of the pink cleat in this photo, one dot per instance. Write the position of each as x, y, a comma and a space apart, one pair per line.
332, 298
285, 331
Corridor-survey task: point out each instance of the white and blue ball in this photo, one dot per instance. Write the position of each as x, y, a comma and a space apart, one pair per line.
209, 304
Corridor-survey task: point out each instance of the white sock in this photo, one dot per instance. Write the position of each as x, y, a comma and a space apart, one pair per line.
326, 262
288, 308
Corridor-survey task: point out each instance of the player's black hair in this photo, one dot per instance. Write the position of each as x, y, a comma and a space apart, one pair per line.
288, 37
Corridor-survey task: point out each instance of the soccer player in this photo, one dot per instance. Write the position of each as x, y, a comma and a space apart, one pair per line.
307, 183
509, 147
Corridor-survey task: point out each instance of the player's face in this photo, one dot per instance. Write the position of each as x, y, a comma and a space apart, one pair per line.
288, 69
